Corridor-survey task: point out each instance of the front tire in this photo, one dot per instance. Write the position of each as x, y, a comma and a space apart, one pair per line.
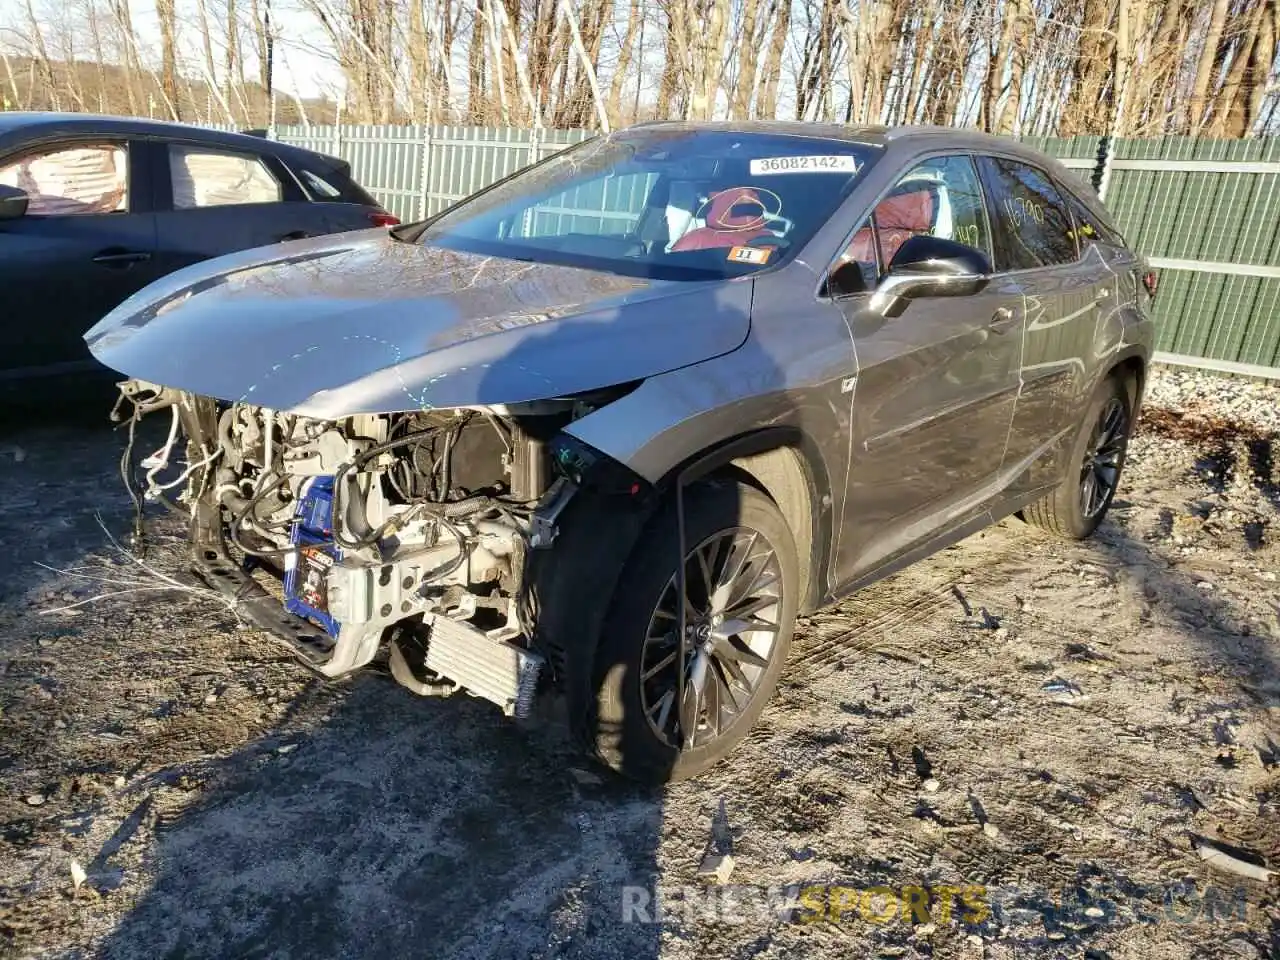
741, 580
1076, 508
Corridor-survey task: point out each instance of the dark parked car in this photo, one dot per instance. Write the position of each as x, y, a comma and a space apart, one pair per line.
92, 209
615, 421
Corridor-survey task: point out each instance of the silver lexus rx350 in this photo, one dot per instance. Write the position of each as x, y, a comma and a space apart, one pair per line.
608, 426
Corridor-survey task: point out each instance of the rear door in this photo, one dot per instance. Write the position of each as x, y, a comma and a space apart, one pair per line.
87, 242
212, 201
936, 386
1035, 241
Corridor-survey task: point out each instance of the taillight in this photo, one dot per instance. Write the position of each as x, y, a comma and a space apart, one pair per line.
380, 218
1149, 281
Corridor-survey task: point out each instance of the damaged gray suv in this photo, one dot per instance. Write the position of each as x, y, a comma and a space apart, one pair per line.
609, 425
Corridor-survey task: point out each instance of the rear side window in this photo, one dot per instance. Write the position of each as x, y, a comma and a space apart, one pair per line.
70, 181
214, 178
318, 187
328, 182
1089, 227
1030, 222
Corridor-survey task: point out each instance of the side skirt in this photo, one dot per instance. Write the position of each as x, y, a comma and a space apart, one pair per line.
952, 535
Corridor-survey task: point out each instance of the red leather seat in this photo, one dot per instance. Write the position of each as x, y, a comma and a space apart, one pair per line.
725, 228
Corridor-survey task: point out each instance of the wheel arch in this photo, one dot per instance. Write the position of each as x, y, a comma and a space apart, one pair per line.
779, 461
1131, 367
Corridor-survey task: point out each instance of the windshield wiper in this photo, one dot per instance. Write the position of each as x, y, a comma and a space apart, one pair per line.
406, 232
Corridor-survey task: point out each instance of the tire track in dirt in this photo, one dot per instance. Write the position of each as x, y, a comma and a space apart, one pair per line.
916, 600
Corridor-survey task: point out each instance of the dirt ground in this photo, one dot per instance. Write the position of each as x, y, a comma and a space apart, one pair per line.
1060, 726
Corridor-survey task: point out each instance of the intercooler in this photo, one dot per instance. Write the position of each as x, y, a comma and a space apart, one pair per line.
498, 671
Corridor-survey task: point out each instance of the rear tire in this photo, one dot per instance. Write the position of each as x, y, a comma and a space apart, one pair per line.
1076, 507
737, 541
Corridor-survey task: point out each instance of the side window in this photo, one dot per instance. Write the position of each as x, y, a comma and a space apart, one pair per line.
68, 181
1031, 225
940, 197
1086, 226
609, 206
213, 178
318, 187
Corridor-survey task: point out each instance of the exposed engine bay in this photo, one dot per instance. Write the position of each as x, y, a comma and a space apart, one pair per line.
414, 528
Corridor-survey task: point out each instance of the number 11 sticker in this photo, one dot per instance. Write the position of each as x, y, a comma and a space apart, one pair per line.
754, 255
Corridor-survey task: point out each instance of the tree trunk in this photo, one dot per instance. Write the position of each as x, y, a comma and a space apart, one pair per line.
744, 87
124, 22
234, 63
673, 78
709, 59
1152, 93
167, 12
1260, 63
99, 59
441, 73
477, 102
1198, 103
924, 56
419, 44
767, 102
586, 35
206, 41
1229, 105
624, 63
1022, 31
1090, 75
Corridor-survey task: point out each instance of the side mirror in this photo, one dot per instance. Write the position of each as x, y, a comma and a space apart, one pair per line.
13, 202
928, 266
846, 280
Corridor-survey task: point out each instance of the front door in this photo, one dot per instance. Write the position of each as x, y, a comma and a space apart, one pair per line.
936, 385
86, 243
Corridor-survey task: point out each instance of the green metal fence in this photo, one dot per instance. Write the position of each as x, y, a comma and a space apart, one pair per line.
416, 171
1205, 212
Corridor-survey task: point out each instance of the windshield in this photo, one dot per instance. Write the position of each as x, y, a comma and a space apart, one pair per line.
669, 204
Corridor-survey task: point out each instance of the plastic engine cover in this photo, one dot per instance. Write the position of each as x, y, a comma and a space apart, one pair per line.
306, 588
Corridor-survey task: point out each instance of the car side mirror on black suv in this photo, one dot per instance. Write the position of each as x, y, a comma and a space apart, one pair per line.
13, 202
926, 266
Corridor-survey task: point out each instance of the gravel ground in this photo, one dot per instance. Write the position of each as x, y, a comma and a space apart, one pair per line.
1069, 727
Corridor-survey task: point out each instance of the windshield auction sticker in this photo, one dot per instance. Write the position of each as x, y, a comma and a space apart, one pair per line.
765, 166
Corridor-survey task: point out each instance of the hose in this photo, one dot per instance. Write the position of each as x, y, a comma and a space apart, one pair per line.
237, 519
339, 536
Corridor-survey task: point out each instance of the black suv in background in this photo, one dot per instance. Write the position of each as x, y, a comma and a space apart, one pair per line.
93, 208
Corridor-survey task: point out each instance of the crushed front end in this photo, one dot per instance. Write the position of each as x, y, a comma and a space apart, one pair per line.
410, 528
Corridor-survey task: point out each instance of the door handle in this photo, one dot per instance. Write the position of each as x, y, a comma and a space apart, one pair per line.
1003, 320
119, 259
295, 235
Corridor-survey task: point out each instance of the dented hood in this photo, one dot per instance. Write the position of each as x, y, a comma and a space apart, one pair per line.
362, 323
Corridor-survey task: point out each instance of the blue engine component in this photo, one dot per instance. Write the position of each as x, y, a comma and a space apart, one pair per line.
306, 588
